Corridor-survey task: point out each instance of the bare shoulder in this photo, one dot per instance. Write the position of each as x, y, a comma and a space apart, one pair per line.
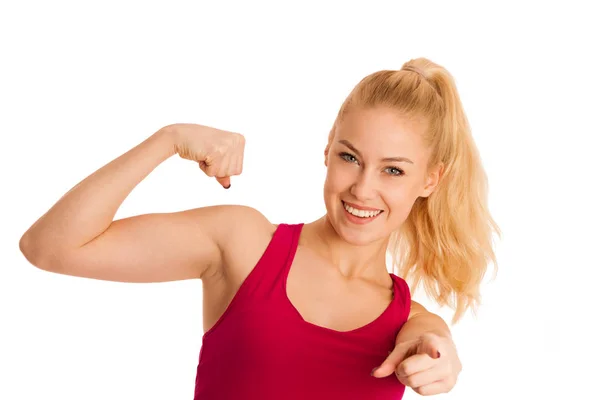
236, 224
242, 236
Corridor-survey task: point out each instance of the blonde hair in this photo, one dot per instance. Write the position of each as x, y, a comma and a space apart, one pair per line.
446, 243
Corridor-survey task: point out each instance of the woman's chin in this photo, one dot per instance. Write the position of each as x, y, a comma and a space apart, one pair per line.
360, 235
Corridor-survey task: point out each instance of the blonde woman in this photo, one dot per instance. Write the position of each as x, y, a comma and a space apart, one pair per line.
296, 311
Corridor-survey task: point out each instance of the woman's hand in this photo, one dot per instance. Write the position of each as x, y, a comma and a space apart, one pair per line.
219, 154
429, 365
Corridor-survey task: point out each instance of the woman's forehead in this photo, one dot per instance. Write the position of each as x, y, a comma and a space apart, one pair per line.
381, 119
381, 130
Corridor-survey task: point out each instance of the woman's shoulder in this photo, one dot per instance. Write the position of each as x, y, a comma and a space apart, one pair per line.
252, 219
402, 285
240, 214
245, 223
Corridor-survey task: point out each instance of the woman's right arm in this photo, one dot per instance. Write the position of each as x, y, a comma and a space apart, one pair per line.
78, 236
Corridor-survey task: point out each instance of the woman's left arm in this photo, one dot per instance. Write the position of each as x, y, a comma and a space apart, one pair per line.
425, 357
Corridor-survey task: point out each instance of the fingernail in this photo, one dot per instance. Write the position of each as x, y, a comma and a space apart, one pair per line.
439, 355
227, 187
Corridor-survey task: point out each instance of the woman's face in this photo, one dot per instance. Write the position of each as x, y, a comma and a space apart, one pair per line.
376, 169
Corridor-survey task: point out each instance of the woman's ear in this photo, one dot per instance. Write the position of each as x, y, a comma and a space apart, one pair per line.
432, 180
329, 141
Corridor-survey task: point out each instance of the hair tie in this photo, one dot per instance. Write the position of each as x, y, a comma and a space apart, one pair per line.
415, 70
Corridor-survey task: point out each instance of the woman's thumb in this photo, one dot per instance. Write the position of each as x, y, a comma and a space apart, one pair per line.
225, 181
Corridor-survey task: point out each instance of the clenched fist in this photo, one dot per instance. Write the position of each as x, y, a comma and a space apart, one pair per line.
219, 153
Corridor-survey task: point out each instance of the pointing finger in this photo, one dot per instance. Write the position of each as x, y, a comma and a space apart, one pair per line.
400, 352
413, 366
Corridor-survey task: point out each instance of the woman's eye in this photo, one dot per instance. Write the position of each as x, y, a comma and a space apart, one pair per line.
348, 157
395, 171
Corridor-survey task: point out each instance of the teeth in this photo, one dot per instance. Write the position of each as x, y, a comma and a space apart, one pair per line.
361, 213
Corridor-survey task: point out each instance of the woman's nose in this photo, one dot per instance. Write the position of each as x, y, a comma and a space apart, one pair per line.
364, 188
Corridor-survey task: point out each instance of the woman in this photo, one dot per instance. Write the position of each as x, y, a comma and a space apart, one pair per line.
301, 310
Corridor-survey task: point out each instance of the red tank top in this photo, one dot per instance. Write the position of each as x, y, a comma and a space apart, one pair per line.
262, 348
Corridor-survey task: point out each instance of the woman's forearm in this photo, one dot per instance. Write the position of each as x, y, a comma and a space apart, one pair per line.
423, 322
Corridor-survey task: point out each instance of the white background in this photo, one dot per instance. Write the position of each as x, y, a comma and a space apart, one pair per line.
82, 83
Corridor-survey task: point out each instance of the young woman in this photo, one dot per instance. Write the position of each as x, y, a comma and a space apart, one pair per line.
292, 311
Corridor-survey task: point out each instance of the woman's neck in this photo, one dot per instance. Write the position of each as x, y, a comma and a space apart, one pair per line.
363, 262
